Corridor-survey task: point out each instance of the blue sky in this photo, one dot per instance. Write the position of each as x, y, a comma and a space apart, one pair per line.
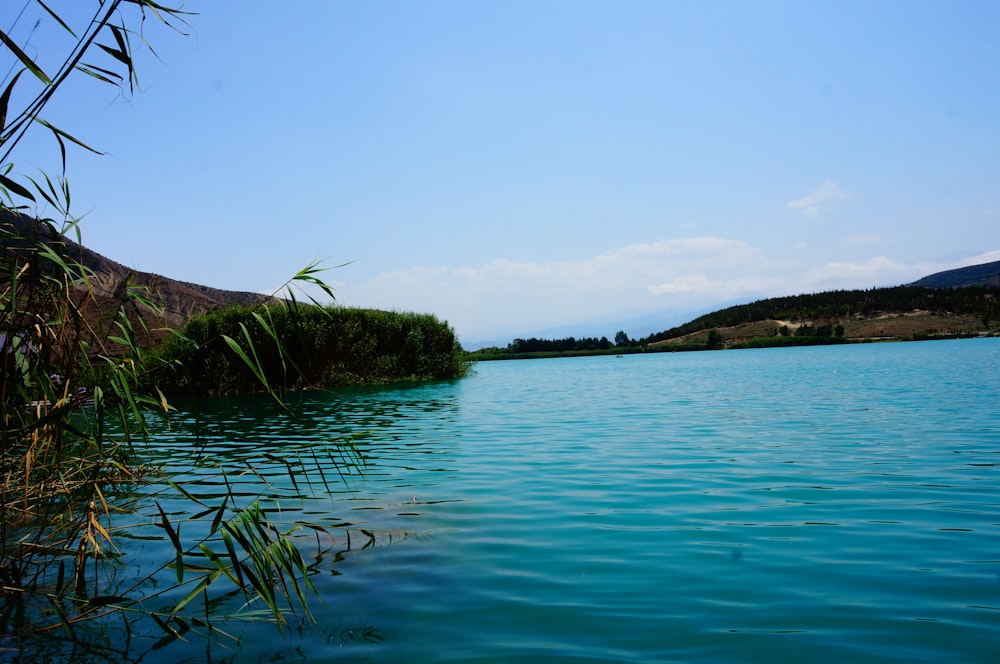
516, 166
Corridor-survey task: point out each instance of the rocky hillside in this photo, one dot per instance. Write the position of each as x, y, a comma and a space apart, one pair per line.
179, 299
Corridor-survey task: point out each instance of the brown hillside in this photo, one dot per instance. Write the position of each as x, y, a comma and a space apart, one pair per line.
110, 280
880, 326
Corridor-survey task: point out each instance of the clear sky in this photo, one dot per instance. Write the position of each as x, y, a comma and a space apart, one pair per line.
513, 166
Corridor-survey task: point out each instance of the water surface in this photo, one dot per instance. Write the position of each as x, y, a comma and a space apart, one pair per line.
820, 504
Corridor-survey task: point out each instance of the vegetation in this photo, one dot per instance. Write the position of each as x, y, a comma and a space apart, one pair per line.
297, 347
714, 340
799, 320
977, 301
533, 348
78, 394
534, 345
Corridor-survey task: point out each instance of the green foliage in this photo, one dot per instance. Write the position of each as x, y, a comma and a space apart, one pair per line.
76, 393
76, 390
238, 350
715, 341
569, 344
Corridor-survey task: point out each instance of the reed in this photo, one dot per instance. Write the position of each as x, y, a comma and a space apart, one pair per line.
78, 393
288, 346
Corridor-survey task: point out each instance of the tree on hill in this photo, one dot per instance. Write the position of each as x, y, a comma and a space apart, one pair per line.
836, 306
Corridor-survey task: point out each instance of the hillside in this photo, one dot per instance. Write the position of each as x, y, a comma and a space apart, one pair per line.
180, 300
901, 312
986, 274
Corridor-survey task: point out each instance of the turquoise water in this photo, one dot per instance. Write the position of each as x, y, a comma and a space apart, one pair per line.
783, 505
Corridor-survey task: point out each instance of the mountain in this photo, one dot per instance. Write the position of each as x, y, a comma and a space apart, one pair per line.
986, 274
109, 280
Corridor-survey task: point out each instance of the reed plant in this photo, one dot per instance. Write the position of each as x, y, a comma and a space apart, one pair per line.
78, 393
286, 345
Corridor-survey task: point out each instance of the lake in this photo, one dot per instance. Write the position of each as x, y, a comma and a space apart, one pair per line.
822, 504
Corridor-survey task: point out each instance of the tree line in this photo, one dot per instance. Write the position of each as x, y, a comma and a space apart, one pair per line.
568, 344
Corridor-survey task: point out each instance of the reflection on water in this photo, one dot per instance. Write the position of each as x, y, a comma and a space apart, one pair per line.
820, 504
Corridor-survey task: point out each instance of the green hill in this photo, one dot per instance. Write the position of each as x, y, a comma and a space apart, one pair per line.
963, 302
987, 274
901, 312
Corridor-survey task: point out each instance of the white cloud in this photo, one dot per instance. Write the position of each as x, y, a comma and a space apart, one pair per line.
883, 271
509, 295
820, 198
878, 272
509, 298
988, 257
688, 283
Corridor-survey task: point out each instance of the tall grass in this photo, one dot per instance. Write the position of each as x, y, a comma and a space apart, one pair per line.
77, 393
287, 346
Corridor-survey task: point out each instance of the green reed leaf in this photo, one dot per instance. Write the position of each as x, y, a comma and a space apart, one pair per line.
218, 516
184, 492
175, 540
197, 590
16, 188
101, 74
56, 17
51, 200
25, 60
231, 550
219, 563
5, 99
254, 366
118, 54
60, 133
